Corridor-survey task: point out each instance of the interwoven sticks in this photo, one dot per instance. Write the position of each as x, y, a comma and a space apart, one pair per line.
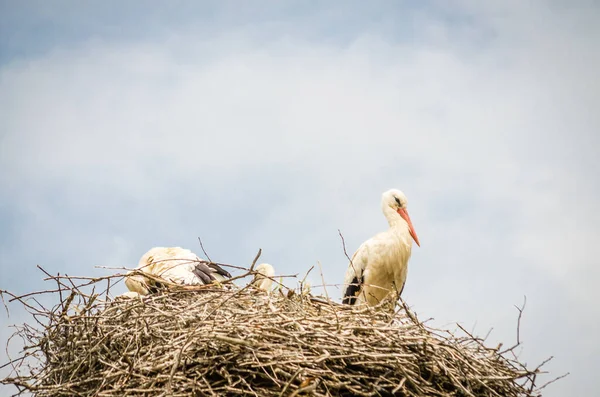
229, 341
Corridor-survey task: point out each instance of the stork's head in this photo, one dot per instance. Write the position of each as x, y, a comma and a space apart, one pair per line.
265, 270
263, 276
395, 200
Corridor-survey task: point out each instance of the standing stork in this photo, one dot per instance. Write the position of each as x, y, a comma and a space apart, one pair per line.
380, 264
174, 264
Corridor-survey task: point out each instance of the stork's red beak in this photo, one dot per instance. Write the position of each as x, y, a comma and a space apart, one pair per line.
411, 229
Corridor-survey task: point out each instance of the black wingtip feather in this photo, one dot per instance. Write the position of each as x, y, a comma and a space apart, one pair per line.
352, 291
219, 270
204, 273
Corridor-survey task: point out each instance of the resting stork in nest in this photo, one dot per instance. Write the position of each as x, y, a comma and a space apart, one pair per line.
173, 264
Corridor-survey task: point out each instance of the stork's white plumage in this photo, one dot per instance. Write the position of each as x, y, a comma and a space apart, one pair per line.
379, 266
174, 264
263, 279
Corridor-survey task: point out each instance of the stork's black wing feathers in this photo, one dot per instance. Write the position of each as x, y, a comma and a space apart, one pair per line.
206, 271
219, 270
203, 272
352, 291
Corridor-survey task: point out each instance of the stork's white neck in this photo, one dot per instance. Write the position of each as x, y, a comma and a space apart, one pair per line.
394, 219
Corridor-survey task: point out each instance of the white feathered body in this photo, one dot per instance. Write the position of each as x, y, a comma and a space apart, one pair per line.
382, 264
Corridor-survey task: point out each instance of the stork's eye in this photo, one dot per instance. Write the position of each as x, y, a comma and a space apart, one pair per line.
398, 201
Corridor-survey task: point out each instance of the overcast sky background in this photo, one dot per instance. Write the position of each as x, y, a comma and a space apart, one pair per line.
128, 125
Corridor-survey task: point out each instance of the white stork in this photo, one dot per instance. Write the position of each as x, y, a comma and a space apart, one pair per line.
263, 278
174, 264
380, 264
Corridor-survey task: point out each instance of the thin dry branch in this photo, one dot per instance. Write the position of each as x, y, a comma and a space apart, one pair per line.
203, 250
518, 343
345, 252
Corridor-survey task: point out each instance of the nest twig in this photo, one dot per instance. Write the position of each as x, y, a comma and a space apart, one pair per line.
238, 341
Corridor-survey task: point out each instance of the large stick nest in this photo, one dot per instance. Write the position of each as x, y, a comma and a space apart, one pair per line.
225, 340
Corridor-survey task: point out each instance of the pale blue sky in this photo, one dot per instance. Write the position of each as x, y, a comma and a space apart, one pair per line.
270, 125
